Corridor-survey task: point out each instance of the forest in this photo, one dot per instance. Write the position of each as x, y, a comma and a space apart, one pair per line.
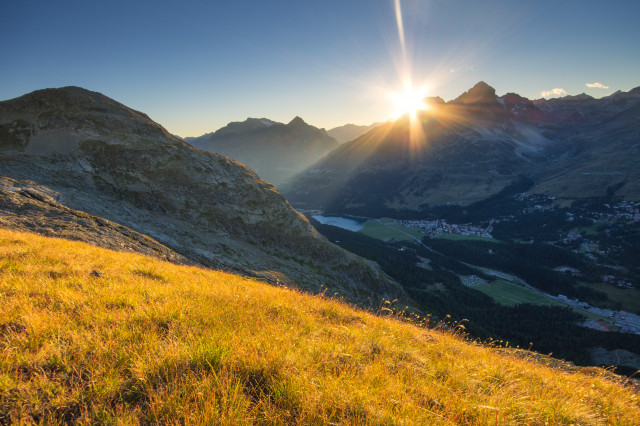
446, 300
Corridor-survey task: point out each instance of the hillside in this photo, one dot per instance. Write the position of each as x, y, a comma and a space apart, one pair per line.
25, 206
99, 336
601, 161
275, 151
96, 156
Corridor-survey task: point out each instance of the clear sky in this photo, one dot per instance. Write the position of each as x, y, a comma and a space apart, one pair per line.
194, 66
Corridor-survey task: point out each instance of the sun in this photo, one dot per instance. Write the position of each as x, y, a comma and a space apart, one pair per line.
409, 101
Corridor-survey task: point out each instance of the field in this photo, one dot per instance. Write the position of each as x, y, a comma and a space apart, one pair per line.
458, 237
92, 336
385, 230
589, 230
511, 294
629, 299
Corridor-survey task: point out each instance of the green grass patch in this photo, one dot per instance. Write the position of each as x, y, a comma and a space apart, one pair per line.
629, 299
589, 315
589, 230
389, 230
511, 294
458, 237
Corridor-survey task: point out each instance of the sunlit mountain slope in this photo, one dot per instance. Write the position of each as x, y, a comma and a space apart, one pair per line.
97, 336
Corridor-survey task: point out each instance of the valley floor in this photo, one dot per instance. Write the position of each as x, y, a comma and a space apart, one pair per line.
90, 335
508, 290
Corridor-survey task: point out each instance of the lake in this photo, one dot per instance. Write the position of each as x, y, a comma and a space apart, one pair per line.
341, 222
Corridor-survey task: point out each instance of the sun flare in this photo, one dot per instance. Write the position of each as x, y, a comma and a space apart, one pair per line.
409, 101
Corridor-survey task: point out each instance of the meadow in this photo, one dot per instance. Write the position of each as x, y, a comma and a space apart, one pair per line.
89, 335
510, 294
387, 229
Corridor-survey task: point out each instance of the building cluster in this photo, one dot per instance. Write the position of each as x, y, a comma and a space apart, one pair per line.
626, 321
620, 282
624, 210
433, 228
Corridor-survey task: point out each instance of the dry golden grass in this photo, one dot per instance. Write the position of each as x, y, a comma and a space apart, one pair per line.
89, 335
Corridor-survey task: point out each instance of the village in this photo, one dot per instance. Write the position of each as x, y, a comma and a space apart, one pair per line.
626, 321
433, 228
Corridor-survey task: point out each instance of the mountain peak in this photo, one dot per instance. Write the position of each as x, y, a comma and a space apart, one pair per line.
433, 100
581, 97
297, 121
635, 91
480, 94
481, 85
67, 96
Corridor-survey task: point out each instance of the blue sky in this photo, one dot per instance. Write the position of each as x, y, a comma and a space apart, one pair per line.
194, 66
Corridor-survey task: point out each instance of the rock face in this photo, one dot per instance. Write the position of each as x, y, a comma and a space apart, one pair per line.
29, 207
99, 157
475, 146
275, 151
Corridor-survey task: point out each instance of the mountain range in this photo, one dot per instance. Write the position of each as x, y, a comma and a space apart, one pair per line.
349, 132
474, 147
77, 164
275, 151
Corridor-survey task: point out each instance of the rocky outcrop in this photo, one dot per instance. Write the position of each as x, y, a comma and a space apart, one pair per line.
29, 207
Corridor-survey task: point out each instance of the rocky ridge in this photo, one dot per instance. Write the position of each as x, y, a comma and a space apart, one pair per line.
109, 161
29, 207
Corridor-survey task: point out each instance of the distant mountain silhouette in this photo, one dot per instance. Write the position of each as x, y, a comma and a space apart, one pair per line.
349, 132
275, 151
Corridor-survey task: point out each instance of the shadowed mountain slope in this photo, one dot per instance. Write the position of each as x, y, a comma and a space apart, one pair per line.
275, 151
349, 132
474, 147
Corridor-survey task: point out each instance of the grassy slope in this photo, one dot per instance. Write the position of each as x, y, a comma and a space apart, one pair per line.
628, 298
458, 237
510, 294
389, 230
147, 341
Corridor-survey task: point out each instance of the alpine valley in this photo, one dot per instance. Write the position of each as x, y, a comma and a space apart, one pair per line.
520, 216
514, 220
